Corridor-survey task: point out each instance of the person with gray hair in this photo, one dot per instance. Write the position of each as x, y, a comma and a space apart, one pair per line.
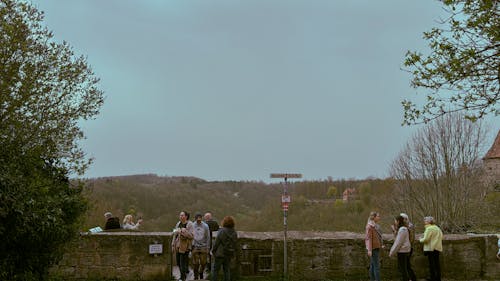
433, 245
411, 232
111, 222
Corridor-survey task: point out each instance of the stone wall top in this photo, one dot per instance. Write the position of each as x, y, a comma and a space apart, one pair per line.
299, 235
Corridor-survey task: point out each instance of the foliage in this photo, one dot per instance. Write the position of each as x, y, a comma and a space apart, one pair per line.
255, 205
438, 173
44, 92
39, 212
462, 70
44, 89
332, 192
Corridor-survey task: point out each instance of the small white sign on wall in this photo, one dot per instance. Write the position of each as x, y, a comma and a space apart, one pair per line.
155, 249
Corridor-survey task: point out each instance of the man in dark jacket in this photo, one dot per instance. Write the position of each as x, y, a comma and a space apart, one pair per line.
212, 226
111, 222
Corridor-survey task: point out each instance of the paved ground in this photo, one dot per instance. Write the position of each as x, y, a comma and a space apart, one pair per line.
190, 276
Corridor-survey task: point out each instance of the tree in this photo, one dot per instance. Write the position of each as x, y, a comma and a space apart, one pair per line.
438, 173
45, 90
332, 192
462, 71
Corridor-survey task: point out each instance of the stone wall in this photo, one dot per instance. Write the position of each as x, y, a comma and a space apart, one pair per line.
116, 255
311, 256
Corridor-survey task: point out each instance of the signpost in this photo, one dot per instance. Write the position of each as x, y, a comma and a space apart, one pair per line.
285, 201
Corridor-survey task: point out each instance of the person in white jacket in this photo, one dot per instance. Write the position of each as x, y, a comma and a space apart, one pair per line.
128, 223
402, 247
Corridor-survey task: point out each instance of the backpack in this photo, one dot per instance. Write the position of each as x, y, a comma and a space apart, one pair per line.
229, 245
411, 233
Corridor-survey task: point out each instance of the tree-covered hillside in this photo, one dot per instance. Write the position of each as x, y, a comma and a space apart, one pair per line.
256, 206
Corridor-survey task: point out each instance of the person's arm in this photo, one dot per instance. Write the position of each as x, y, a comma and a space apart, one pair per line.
217, 243
207, 237
368, 240
174, 234
427, 236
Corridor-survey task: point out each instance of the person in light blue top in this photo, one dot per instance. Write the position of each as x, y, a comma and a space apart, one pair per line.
201, 246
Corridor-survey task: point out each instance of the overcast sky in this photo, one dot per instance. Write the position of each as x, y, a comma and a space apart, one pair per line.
236, 90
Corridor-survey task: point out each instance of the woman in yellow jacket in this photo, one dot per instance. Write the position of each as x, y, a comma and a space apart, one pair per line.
433, 245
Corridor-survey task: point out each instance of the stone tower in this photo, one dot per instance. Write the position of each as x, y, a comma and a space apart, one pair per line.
492, 163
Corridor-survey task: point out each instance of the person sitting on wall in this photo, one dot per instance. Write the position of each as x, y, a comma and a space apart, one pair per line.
111, 222
128, 223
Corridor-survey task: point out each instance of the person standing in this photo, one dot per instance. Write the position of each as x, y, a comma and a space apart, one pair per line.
402, 247
201, 246
433, 245
411, 233
181, 243
498, 253
212, 226
224, 248
374, 243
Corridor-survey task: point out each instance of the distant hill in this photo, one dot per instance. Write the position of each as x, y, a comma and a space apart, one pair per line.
256, 206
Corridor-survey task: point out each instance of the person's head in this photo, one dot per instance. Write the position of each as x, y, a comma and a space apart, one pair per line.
228, 221
428, 220
198, 217
108, 215
127, 219
183, 216
405, 217
374, 216
208, 216
399, 221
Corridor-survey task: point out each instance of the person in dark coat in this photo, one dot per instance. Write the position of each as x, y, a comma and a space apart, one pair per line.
212, 226
224, 248
111, 222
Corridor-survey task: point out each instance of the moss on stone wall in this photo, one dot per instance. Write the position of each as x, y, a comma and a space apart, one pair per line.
311, 256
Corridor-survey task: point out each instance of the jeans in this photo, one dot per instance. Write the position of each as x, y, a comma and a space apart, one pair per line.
225, 263
375, 265
403, 261
434, 267
183, 262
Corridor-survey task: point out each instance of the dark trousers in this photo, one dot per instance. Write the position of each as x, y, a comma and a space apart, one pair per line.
183, 263
225, 263
413, 277
403, 261
434, 267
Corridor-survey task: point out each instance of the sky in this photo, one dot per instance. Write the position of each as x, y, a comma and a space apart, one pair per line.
237, 90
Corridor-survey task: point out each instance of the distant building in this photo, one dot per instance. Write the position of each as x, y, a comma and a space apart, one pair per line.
491, 163
349, 194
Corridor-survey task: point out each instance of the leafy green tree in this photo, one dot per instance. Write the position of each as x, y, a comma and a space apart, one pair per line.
462, 71
332, 192
39, 212
365, 193
44, 92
